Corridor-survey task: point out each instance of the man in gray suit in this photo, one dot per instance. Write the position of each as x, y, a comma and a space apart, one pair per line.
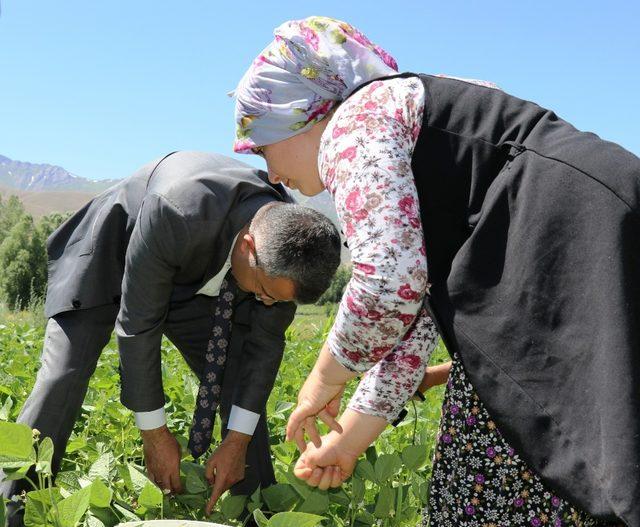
148, 257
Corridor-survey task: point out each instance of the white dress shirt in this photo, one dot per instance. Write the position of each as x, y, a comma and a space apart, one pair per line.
240, 420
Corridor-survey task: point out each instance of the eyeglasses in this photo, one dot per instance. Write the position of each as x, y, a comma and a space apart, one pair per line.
260, 293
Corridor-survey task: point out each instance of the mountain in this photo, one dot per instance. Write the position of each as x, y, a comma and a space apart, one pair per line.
45, 188
22, 175
43, 202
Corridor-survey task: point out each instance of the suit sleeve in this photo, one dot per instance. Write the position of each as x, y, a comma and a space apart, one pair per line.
154, 254
262, 352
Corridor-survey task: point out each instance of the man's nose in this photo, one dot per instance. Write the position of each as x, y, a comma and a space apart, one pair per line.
265, 301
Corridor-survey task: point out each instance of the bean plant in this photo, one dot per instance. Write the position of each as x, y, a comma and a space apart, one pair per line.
103, 482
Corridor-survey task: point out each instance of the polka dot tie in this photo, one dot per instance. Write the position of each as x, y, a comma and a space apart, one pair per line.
208, 398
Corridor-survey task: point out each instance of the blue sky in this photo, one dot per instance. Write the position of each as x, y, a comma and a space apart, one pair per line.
101, 88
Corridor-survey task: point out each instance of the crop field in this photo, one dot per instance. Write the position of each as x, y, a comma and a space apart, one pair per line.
102, 482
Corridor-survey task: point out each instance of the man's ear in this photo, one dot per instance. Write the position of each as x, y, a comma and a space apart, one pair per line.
248, 244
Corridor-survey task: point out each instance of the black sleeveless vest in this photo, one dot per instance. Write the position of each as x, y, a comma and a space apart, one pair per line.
532, 231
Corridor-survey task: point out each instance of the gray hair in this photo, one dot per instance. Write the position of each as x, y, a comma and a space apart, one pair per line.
297, 243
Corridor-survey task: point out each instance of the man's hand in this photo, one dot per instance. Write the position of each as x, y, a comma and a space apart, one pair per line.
226, 465
162, 458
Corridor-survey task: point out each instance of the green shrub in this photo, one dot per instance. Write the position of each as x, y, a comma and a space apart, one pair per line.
23, 254
338, 284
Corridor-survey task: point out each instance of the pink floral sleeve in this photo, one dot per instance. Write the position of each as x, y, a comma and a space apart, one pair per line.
365, 161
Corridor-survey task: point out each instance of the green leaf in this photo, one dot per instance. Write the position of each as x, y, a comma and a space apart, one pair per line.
68, 480
195, 501
255, 501
399, 498
364, 470
365, 517
316, 502
93, 521
340, 497
38, 505
280, 497
138, 479
194, 484
150, 497
260, 518
3, 512
13, 474
107, 517
104, 467
371, 454
295, 519
125, 512
300, 486
384, 503
45, 454
282, 407
77, 443
285, 452
72, 509
100, 494
415, 456
4, 413
16, 445
232, 506
357, 490
422, 493
387, 466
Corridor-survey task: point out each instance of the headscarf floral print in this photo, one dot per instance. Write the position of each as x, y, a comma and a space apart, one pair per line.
312, 65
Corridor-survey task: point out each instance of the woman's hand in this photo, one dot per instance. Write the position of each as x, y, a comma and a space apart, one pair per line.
326, 466
316, 399
319, 397
435, 375
332, 463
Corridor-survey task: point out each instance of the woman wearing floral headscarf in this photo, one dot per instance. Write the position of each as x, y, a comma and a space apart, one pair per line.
530, 233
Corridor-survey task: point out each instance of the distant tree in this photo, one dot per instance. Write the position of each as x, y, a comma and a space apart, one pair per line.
336, 289
23, 254
21, 263
51, 222
11, 211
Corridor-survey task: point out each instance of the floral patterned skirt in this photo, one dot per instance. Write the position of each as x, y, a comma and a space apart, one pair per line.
479, 480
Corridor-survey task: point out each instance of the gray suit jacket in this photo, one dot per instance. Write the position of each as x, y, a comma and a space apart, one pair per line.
156, 238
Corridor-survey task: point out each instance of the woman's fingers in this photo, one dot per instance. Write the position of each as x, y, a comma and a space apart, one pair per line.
308, 425
315, 477
312, 431
296, 420
329, 420
302, 469
327, 478
302, 472
299, 439
337, 478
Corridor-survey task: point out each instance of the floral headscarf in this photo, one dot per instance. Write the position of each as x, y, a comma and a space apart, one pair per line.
310, 66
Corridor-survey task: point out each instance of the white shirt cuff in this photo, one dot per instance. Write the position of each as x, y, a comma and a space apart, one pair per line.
242, 420
150, 420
